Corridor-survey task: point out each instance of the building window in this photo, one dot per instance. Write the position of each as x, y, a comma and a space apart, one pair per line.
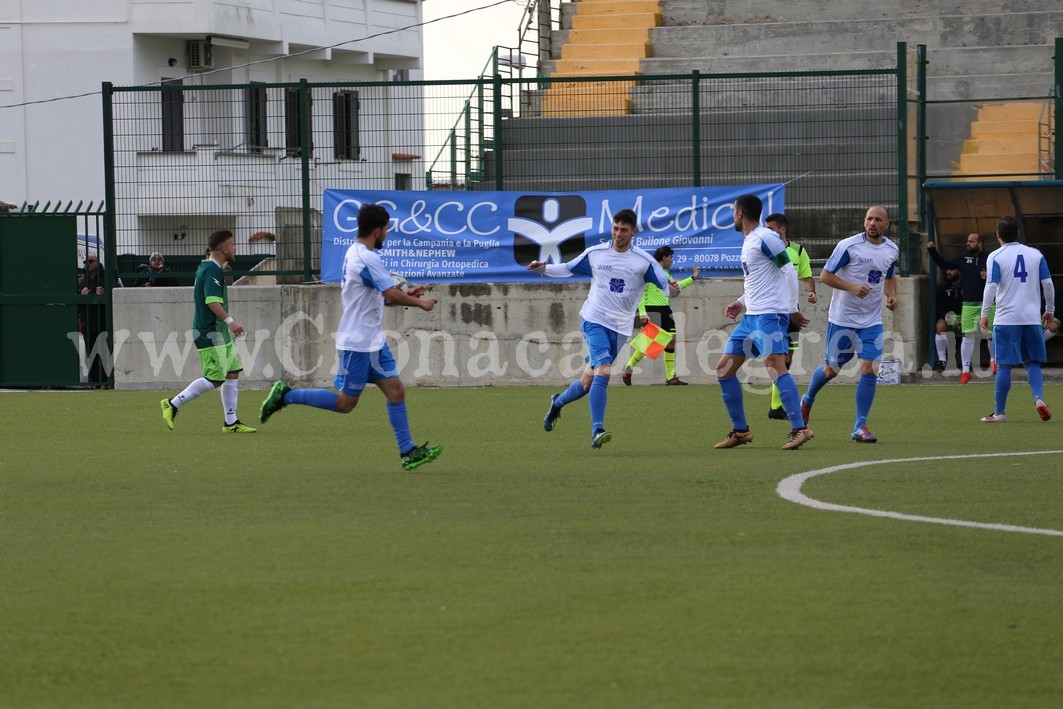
173, 117
345, 125
255, 135
403, 181
293, 127
400, 75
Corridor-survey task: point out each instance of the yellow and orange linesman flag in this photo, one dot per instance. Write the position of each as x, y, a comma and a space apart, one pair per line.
651, 340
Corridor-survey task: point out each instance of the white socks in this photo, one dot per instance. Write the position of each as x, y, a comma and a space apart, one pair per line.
966, 352
942, 344
230, 391
197, 388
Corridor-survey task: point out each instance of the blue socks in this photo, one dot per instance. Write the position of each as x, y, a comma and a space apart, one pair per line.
400, 424
1003, 386
731, 391
865, 396
819, 380
1034, 376
790, 398
575, 392
597, 402
318, 398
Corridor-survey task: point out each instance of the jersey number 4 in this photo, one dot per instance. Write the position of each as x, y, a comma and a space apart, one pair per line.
1020, 269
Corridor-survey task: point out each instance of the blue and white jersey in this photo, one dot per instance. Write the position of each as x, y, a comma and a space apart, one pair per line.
767, 284
856, 260
364, 280
1017, 270
617, 282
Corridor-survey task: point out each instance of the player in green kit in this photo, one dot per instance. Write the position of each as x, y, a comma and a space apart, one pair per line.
213, 330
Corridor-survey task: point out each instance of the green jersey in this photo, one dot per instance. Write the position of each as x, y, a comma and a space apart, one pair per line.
799, 258
207, 329
655, 296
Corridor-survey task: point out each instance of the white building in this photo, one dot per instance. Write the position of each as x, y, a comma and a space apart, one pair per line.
186, 164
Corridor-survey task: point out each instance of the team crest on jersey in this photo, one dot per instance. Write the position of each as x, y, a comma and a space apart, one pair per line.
616, 285
874, 276
549, 228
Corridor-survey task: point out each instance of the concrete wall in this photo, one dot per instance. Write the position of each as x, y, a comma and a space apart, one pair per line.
478, 335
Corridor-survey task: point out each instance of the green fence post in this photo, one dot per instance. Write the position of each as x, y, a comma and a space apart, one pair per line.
497, 122
695, 138
110, 248
453, 159
468, 145
304, 153
920, 129
902, 157
1058, 93
480, 130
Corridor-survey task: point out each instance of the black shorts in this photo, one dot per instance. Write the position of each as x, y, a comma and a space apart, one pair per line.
791, 331
661, 316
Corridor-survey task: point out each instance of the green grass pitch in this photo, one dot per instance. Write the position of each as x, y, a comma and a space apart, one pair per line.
302, 567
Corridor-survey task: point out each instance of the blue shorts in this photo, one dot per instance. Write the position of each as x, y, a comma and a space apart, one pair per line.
760, 335
603, 344
842, 342
357, 368
1015, 344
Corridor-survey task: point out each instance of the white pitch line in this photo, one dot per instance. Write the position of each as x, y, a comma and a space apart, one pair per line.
790, 489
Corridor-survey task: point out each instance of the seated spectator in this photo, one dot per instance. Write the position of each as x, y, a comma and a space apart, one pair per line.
949, 303
153, 271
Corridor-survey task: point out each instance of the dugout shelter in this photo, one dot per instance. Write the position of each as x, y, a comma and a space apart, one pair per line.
955, 209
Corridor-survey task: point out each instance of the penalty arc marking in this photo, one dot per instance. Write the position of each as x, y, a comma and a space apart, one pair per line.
790, 489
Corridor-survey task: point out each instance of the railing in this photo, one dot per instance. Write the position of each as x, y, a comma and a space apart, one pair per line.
461, 160
1046, 135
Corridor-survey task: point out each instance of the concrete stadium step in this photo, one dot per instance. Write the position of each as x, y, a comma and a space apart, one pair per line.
944, 62
1004, 144
630, 50
737, 124
1013, 111
607, 36
597, 67
982, 86
675, 157
1005, 139
682, 12
1000, 164
584, 98
653, 96
622, 21
617, 7
981, 129
837, 190
940, 32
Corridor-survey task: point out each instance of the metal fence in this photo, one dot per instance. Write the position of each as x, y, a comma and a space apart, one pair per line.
998, 139
255, 159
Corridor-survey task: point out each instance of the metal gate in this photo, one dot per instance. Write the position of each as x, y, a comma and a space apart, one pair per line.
54, 332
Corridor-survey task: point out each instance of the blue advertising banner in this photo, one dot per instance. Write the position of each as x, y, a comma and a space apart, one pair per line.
491, 237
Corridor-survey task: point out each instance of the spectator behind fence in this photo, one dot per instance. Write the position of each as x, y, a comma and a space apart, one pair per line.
972, 267
949, 307
153, 272
92, 319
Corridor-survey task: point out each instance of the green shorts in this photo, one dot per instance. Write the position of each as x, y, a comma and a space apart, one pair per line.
219, 361
972, 313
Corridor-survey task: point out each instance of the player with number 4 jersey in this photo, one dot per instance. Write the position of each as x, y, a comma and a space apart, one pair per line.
1016, 275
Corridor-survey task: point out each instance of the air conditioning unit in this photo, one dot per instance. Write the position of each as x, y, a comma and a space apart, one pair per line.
200, 55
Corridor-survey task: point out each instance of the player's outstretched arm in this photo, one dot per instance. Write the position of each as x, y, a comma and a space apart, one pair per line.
395, 296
